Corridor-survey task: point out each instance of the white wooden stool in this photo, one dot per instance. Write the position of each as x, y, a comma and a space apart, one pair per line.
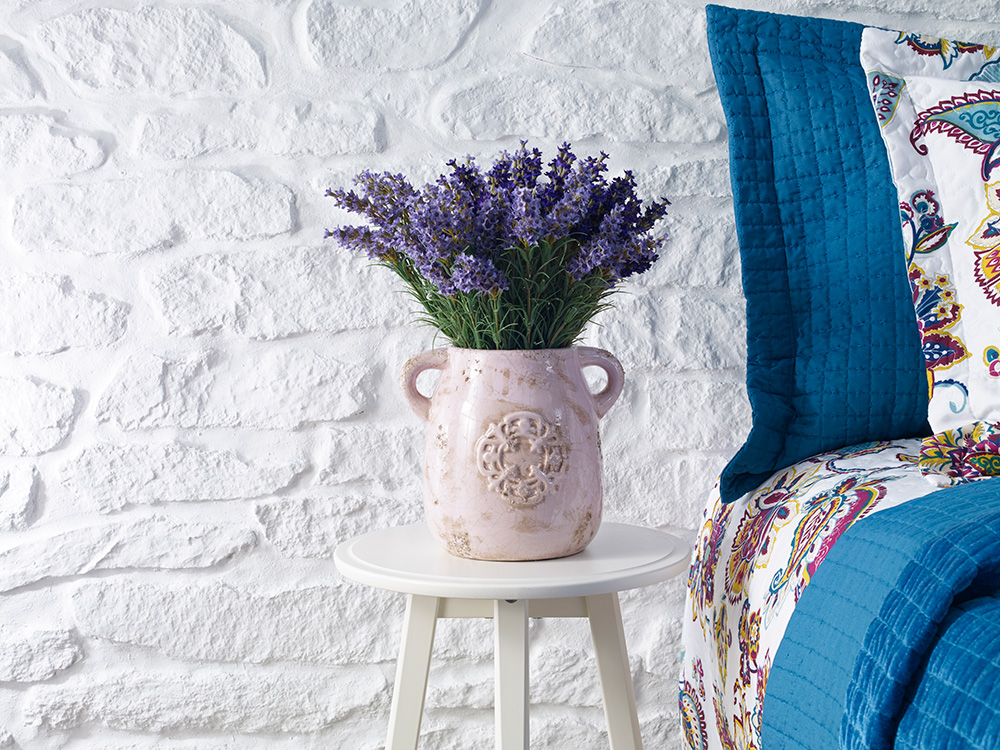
407, 559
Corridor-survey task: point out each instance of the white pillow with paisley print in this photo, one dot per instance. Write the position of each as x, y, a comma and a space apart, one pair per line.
958, 123
935, 101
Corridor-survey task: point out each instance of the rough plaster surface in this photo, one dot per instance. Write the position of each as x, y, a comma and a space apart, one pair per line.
200, 395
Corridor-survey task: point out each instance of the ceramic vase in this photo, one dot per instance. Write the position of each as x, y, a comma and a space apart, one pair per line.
512, 455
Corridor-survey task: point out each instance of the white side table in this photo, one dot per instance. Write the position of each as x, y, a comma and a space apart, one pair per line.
409, 560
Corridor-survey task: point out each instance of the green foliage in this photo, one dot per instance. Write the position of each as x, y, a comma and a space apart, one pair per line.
543, 307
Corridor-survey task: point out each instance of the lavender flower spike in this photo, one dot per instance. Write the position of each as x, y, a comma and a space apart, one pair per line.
511, 257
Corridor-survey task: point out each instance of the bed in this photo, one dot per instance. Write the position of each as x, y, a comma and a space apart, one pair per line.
844, 586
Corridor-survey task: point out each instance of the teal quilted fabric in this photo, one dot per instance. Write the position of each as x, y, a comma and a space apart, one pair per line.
956, 702
895, 643
833, 352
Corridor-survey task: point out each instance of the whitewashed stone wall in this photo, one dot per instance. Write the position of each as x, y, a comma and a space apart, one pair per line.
199, 394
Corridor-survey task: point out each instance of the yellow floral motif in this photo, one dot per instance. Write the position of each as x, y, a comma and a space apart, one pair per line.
986, 241
723, 640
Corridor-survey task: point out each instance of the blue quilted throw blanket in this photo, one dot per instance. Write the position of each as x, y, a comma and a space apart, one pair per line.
896, 641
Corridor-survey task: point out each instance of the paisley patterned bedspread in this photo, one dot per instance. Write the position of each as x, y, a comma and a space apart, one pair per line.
753, 558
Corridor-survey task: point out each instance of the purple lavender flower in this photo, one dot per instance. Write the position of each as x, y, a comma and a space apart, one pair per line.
572, 201
473, 274
558, 171
526, 217
526, 166
567, 233
359, 239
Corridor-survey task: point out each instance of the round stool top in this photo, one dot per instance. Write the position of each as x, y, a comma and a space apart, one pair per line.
408, 559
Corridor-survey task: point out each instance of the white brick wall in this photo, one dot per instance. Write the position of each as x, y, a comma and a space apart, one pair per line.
194, 381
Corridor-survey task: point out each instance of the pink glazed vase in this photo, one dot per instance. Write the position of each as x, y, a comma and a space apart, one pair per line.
512, 455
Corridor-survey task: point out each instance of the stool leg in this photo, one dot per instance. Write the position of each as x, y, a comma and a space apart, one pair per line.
510, 660
612, 666
411, 672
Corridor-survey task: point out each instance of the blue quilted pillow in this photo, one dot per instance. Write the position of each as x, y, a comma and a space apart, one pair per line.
833, 352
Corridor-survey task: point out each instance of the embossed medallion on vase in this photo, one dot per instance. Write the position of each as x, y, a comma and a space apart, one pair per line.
512, 455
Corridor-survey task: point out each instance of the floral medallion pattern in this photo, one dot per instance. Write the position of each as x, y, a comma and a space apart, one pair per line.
937, 310
967, 454
521, 457
985, 241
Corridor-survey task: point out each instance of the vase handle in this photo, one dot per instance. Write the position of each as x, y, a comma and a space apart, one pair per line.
435, 359
605, 399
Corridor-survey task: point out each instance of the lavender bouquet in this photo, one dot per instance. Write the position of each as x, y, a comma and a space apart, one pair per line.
509, 258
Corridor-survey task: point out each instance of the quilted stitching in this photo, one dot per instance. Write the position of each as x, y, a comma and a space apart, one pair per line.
952, 703
878, 620
833, 354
